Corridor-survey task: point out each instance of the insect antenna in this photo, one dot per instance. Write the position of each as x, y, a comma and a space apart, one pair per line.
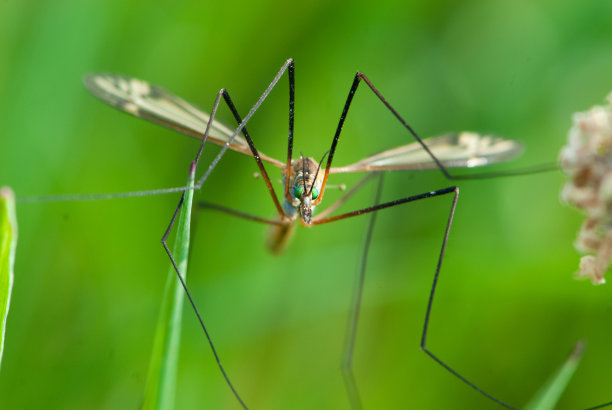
303, 172
317, 172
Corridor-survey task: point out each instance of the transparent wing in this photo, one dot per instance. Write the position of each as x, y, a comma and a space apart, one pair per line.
464, 149
141, 99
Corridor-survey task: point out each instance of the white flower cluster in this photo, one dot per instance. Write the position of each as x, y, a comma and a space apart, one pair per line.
587, 160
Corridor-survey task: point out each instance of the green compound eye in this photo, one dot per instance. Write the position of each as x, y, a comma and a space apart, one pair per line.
315, 193
297, 192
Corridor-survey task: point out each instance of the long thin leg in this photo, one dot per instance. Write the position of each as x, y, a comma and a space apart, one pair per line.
454, 190
344, 197
360, 76
332, 150
430, 304
192, 302
262, 168
351, 329
240, 214
291, 74
389, 204
241, 128
447, 174
243, 123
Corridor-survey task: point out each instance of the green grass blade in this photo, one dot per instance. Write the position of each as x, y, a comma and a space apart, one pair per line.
8, 246
161, 379
550, 393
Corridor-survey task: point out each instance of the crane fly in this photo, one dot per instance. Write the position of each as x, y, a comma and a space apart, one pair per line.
305, 179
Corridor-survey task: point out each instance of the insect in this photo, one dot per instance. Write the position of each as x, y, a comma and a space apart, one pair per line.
305, 179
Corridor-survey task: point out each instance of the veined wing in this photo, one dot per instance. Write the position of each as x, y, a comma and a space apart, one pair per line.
465, 149
141, 99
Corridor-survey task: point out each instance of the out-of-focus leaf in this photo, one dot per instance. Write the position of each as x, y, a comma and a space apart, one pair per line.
549, 394
8, 246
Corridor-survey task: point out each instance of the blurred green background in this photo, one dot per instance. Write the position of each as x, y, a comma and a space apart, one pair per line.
89, 275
